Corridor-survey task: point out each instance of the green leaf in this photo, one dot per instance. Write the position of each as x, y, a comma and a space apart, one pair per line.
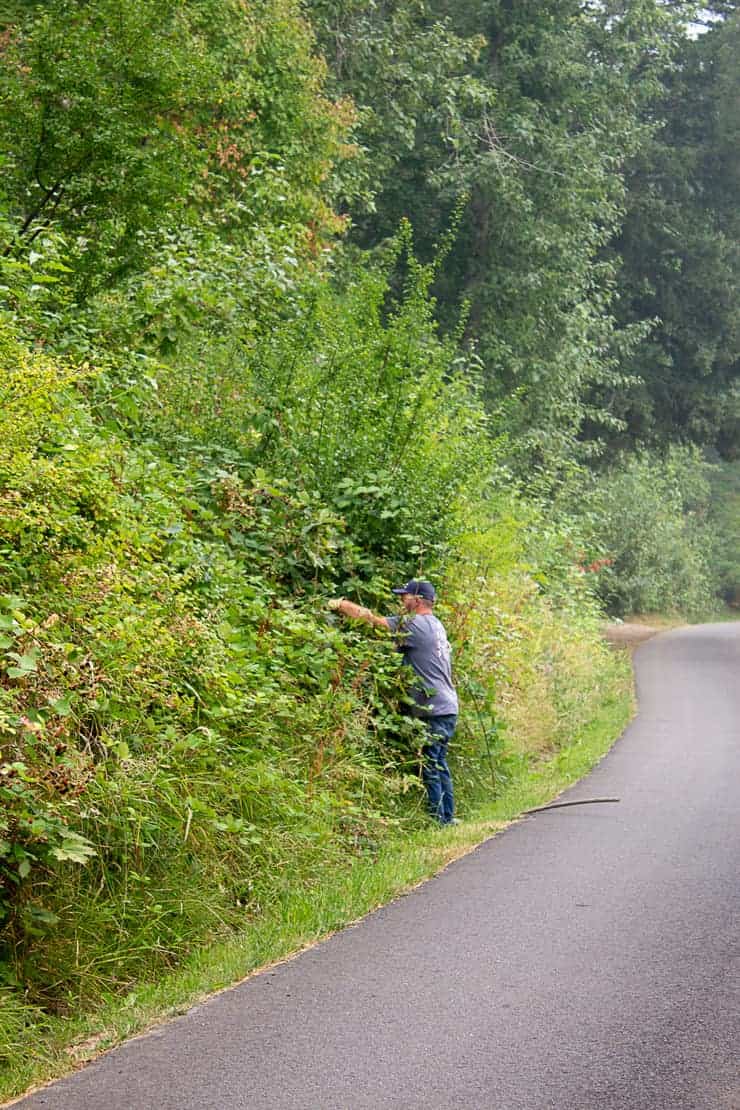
47, 916
12, 601
27, 662
75, 848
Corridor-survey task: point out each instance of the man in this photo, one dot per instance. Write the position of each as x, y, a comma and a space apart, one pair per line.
423, 640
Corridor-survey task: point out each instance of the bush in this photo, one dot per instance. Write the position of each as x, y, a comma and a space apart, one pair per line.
176, 714
725, 522
648, 542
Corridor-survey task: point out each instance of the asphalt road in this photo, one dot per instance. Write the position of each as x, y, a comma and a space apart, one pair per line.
582, 959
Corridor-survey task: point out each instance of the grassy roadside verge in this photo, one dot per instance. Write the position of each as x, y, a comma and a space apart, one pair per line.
306, 916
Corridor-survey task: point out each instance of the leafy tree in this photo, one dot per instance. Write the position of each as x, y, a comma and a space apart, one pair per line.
419, 101
547, 191
680, 246
535, 108
121, 119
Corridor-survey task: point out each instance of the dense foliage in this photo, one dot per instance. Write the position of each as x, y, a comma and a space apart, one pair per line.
539, 118
725, 523
298, 300
647, 534
680, 248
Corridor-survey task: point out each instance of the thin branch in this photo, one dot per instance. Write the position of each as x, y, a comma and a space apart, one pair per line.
564, 805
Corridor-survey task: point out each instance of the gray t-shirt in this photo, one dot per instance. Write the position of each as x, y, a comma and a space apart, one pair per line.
425, 647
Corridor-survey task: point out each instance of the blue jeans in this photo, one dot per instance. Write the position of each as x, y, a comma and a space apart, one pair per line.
435, 773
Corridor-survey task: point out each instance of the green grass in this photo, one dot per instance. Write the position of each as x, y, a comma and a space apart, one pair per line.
719, 613
302, 917
723, 614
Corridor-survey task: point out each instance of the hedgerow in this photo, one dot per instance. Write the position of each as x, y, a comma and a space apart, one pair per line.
185, 728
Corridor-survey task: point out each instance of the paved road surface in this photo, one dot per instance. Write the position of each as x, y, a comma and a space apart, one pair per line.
581, 960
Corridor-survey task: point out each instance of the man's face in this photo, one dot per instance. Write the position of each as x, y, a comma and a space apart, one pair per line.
410, 602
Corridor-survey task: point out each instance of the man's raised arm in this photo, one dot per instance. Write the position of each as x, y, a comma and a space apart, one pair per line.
357, 612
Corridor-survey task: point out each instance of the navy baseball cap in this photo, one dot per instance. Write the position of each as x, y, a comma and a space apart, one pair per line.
418, 587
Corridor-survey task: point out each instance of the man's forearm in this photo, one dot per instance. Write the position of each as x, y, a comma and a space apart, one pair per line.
359, 613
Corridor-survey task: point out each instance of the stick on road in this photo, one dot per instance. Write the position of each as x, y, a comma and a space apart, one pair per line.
584, 959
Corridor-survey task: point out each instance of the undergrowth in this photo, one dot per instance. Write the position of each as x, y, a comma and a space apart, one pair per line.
188, 736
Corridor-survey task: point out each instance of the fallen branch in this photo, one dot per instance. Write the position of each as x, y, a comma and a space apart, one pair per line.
562, 805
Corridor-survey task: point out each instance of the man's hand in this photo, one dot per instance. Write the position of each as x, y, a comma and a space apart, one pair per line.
336, 603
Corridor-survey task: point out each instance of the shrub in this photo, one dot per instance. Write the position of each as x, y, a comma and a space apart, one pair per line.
647, 537
724, 518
